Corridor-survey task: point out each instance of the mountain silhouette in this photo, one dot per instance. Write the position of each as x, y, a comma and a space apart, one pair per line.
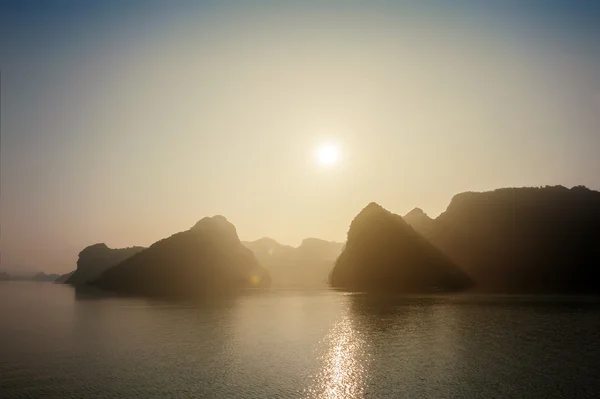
4, 276
204, 260
524, 240
64, 277
267, 247
315, 248
304, 267
419, 220
95, 260
383, 253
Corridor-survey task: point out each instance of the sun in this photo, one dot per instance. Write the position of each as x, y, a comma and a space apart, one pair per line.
328, 154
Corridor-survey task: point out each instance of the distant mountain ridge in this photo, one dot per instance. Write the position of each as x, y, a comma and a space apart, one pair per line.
304, 267
267, 246
523, 240
41, 276
208, 259
317, 248
419, 220
384, 254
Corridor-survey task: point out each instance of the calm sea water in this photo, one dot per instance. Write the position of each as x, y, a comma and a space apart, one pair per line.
55, 342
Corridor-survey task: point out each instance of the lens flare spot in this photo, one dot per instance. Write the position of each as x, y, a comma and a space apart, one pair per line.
255, 280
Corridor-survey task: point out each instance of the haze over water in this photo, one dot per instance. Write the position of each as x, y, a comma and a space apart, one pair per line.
287, 344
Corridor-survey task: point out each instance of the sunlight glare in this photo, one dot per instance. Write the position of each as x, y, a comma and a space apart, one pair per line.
328, 154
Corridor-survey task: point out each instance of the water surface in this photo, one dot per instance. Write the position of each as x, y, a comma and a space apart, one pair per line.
55, 342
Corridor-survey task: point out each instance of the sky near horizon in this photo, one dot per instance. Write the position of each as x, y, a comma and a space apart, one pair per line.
125, 122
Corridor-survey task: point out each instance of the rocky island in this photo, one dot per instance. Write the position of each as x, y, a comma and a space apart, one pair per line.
206, 260
530, 240
384, 254
95, 260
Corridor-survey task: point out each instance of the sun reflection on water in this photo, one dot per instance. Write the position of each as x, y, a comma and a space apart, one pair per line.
343, 373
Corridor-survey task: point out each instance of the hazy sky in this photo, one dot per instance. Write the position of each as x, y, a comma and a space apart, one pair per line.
125, 124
